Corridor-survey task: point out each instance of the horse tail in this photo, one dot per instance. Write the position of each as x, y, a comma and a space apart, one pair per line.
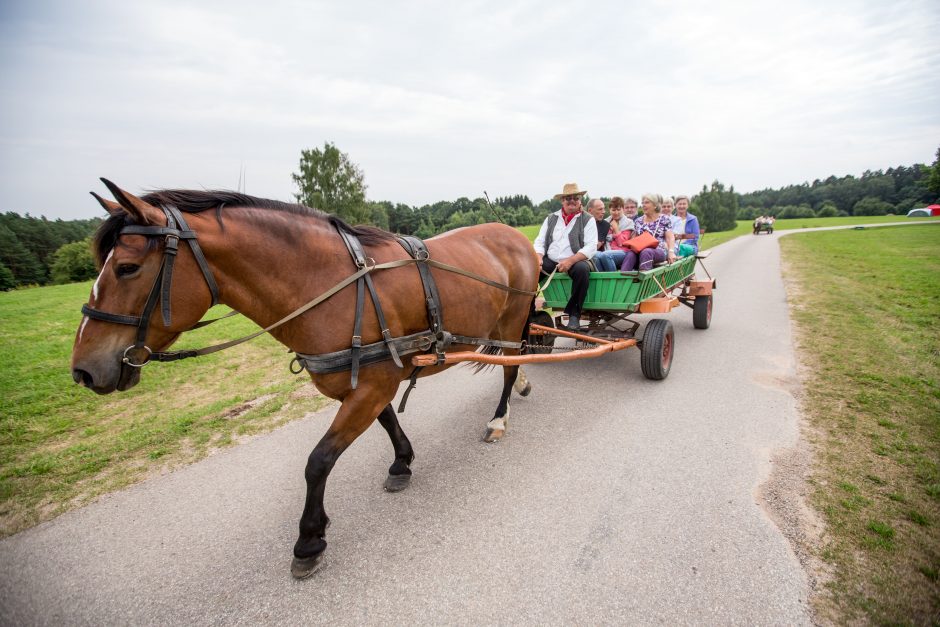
496, 350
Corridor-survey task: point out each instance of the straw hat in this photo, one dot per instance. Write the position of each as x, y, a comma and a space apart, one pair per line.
570, 189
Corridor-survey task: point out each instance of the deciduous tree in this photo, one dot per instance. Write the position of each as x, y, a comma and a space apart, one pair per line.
329, 181
73, 262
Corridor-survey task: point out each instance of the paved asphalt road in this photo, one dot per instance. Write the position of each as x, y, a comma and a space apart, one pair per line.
638, 510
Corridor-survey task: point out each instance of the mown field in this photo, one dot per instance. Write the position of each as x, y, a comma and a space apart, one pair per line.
866, 307
62, 445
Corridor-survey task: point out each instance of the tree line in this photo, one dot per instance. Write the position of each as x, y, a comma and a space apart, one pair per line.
37, 251
874, 193
328, 179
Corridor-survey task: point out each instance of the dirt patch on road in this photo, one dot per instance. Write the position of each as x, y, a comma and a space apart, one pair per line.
785, 498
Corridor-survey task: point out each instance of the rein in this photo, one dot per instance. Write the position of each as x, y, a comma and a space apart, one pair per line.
162, 284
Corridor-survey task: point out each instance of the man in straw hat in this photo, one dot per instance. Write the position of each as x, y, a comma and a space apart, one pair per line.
565, 243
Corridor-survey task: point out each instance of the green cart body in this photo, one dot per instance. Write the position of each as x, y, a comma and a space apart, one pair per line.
613, 291
614, 296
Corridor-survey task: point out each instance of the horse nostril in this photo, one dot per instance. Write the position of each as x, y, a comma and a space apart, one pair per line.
83, 378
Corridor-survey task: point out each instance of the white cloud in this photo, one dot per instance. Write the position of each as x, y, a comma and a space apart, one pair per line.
436, 102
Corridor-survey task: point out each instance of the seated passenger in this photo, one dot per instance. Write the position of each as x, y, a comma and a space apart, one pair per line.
566, 241
621, 230
596, 209
685, 227
660, 227
629, 208
667, 210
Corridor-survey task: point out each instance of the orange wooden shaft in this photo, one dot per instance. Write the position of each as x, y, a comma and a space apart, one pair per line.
519, 360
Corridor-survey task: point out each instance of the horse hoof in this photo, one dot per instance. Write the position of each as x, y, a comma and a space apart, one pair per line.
496, 429
303, 567
494, 435
526, 390
397, 483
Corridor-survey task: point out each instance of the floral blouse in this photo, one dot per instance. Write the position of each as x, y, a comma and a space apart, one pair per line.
657, 228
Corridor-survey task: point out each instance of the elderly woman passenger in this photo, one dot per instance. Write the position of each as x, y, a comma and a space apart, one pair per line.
686, 226
668, 210
657, 225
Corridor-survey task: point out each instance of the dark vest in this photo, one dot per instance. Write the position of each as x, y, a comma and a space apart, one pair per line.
575, 235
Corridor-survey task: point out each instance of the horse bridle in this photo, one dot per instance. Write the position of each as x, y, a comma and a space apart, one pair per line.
175, 230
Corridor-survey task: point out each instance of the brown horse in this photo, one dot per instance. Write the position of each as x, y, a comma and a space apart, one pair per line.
265, 259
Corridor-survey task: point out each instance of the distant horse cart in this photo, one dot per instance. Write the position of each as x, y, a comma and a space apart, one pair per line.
362, 309
763, 226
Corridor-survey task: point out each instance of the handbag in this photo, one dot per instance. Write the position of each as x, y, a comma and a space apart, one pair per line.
642, 242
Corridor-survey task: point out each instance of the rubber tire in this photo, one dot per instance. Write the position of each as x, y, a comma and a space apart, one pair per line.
702, 311
544, 319
657, 349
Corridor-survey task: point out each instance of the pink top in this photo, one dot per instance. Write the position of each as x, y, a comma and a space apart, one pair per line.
619, 241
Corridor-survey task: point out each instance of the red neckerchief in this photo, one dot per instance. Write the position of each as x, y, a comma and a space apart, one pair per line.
568, 218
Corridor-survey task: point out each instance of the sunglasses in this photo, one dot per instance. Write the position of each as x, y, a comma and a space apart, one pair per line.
571, 198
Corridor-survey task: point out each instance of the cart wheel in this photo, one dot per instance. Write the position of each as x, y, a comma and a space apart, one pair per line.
657, 349
702, 311
542, 343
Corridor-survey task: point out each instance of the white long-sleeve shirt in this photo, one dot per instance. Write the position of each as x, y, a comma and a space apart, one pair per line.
560, 247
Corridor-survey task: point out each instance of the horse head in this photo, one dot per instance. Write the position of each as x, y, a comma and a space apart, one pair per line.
149, 290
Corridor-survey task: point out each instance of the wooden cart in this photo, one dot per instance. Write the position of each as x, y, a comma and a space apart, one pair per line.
611, 299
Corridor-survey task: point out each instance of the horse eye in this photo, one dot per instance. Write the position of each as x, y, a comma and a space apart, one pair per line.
127, 269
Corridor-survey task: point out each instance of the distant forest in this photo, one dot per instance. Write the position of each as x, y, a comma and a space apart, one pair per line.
895, 191
37, 251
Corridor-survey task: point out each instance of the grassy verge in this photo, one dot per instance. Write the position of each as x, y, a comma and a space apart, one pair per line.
866, 306
61, 445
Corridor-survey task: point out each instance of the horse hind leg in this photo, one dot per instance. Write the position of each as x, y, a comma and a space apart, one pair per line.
399, 473
512, 375
496, 427
522, 385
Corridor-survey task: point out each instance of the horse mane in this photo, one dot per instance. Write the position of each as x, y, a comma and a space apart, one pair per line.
196, 201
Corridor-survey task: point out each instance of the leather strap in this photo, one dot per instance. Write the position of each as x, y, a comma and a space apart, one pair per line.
359, 257
190, 238
97, 314
170, 248
432, 300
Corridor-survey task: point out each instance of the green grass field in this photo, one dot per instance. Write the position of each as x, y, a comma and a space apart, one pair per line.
62, 445
866, 305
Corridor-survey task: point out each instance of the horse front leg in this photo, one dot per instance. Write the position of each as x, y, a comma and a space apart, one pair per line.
496, 427
399, 473
357, 412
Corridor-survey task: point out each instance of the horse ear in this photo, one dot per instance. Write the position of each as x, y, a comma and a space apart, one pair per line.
109, 205
142, 212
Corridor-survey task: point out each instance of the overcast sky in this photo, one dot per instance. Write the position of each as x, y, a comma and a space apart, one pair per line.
440, 100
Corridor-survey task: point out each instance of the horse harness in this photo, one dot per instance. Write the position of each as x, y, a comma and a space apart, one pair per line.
434, 338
